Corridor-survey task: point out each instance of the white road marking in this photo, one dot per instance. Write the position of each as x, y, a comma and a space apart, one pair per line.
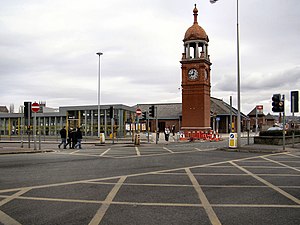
105, 152
294, 199
102, 210
206, 205
137, 151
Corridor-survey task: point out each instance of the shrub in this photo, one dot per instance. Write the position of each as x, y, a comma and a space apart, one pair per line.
277, 133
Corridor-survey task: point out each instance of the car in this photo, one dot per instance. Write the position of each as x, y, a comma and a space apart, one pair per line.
274, 128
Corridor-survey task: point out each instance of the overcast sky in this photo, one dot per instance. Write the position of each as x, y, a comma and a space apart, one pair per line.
48, 50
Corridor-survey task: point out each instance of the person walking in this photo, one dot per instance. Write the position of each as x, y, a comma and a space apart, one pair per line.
63, 136
167, 134
79, 138
73, 138
69, 139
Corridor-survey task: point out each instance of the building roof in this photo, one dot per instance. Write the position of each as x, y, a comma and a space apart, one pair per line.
174, 110
269, 117
3, 109
195, 32
253, 113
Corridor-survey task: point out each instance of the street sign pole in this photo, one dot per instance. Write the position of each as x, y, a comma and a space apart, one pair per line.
34, 130
283, 124
28, 126
293, 128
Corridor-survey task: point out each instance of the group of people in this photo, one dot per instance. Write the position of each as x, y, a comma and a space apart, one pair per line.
72, 139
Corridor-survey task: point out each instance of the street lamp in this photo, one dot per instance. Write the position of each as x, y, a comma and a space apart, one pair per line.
99, 54
238, 77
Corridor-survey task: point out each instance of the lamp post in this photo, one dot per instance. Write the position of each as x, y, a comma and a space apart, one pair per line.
238, 74
99, 95
238, 77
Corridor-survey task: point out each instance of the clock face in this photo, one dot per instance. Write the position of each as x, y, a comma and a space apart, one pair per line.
193, 74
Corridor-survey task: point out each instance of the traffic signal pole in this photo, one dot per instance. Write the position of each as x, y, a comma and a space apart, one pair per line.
283, 125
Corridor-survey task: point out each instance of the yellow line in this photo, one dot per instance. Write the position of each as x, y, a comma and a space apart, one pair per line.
206, 150
293, 168
102, 210
206, 205
7, 220
12, 197
255, 206
137, 151
105, 152
297, 156
168, 149
294, 199
132, 175
74, 152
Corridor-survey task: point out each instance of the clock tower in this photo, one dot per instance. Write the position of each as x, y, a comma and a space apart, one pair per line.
195, 66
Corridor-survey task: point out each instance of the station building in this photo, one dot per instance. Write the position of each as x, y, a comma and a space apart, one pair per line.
49, 122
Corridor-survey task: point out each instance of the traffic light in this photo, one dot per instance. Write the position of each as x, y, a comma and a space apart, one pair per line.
111, 112
295, 101
152, 111
278, 103
144, 115
27, 109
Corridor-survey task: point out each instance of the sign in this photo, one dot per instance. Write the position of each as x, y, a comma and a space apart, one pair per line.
35, 107
233, 140
138, 112
259, 109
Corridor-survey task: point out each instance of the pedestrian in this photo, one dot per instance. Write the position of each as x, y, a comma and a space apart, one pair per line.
157, 134
79, 138
167, 133
173, 130
69, 139
63, 136
73, 138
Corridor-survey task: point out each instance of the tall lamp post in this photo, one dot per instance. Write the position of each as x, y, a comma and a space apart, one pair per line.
99, 95
238, 77
238, 74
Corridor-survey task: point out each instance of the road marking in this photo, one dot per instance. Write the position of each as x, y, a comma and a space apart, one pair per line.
74, 152
105, 152
134, 175
206, 205
102, 210
137, 151
282, 164
294, 199
297, 156
168, 150
206, 150
15, 195
7, 220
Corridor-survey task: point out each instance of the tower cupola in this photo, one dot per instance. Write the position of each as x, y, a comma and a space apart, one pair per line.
195, 41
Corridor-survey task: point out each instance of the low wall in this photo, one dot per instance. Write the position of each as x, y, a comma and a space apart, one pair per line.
273, 140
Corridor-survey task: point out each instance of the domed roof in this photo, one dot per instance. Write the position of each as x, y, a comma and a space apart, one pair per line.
195, 32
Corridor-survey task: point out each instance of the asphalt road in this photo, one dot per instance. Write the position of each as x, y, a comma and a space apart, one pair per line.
178, 183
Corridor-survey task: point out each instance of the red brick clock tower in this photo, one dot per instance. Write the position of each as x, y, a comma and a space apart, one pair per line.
195, 66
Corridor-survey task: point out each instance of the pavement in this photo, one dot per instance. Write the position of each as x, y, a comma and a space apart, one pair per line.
16, 147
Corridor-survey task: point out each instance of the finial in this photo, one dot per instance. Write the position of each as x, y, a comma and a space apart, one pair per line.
195, 11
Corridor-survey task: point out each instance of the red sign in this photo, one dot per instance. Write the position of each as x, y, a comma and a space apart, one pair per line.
138, 112
259, 109
35, 107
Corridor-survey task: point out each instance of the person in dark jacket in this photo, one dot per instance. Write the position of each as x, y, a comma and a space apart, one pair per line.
79, 138
74, 138
63, 136
69, 139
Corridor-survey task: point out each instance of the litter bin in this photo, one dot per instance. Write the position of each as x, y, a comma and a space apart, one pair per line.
102, 138
137, 139
233, 140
